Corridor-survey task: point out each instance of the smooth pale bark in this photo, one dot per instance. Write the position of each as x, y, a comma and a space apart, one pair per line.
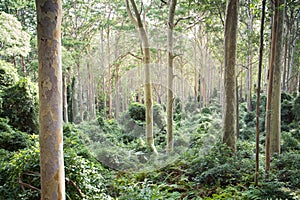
250, 58
109, 76
50, 96
284, 75
74, 100
258, 93
170, 98
231, 24
274, 89
65, 99
102, 68
79, 92
195, 76
292, 69
137, 21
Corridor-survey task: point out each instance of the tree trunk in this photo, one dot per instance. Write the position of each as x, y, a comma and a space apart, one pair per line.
170, 98
146, 60
274, 91
284, 76
50, 97
109, 83
65, 100
250, 58
74, 99
258, 92
80, 93
231, 24
195, 76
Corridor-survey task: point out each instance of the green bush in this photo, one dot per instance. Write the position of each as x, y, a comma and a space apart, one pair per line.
287, 115
82, 171
20, 105
289, 143
268, 190
250, 118
137, 111
8, 75
288, 168
13, 141
296, 108
22, 166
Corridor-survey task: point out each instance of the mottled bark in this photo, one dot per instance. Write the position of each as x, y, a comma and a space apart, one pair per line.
170, 98
50, 96
231, 24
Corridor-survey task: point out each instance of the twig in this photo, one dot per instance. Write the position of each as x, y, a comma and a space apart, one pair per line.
77, 188
27, 185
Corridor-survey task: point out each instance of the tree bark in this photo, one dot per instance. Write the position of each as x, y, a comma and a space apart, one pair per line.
109, 83
274, 90
79, 93
231, 24
65, 99
50, 96
276, 93
146, 61
258, 92
250, 58
170, 98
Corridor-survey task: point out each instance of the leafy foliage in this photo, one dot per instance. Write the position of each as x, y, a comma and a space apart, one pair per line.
8, 75
14, 40
296, 108
20, 105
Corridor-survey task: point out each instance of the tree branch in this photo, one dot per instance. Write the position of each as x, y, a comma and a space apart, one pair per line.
133, 19
182, 18
27, 185
76, 187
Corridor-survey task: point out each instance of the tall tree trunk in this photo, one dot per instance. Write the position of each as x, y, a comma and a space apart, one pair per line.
65, 100
274, 90
250, 58
80, 92
170, 98
102, 68
231, 24
50, 96
146, 59
74, 99
284, 75
117, 92
195, 75
109, 83
258, 92
276, 94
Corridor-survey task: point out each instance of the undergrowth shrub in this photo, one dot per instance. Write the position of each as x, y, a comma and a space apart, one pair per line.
20, 105
288, 166
13, 140
8, 74
84, 174
296, 108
